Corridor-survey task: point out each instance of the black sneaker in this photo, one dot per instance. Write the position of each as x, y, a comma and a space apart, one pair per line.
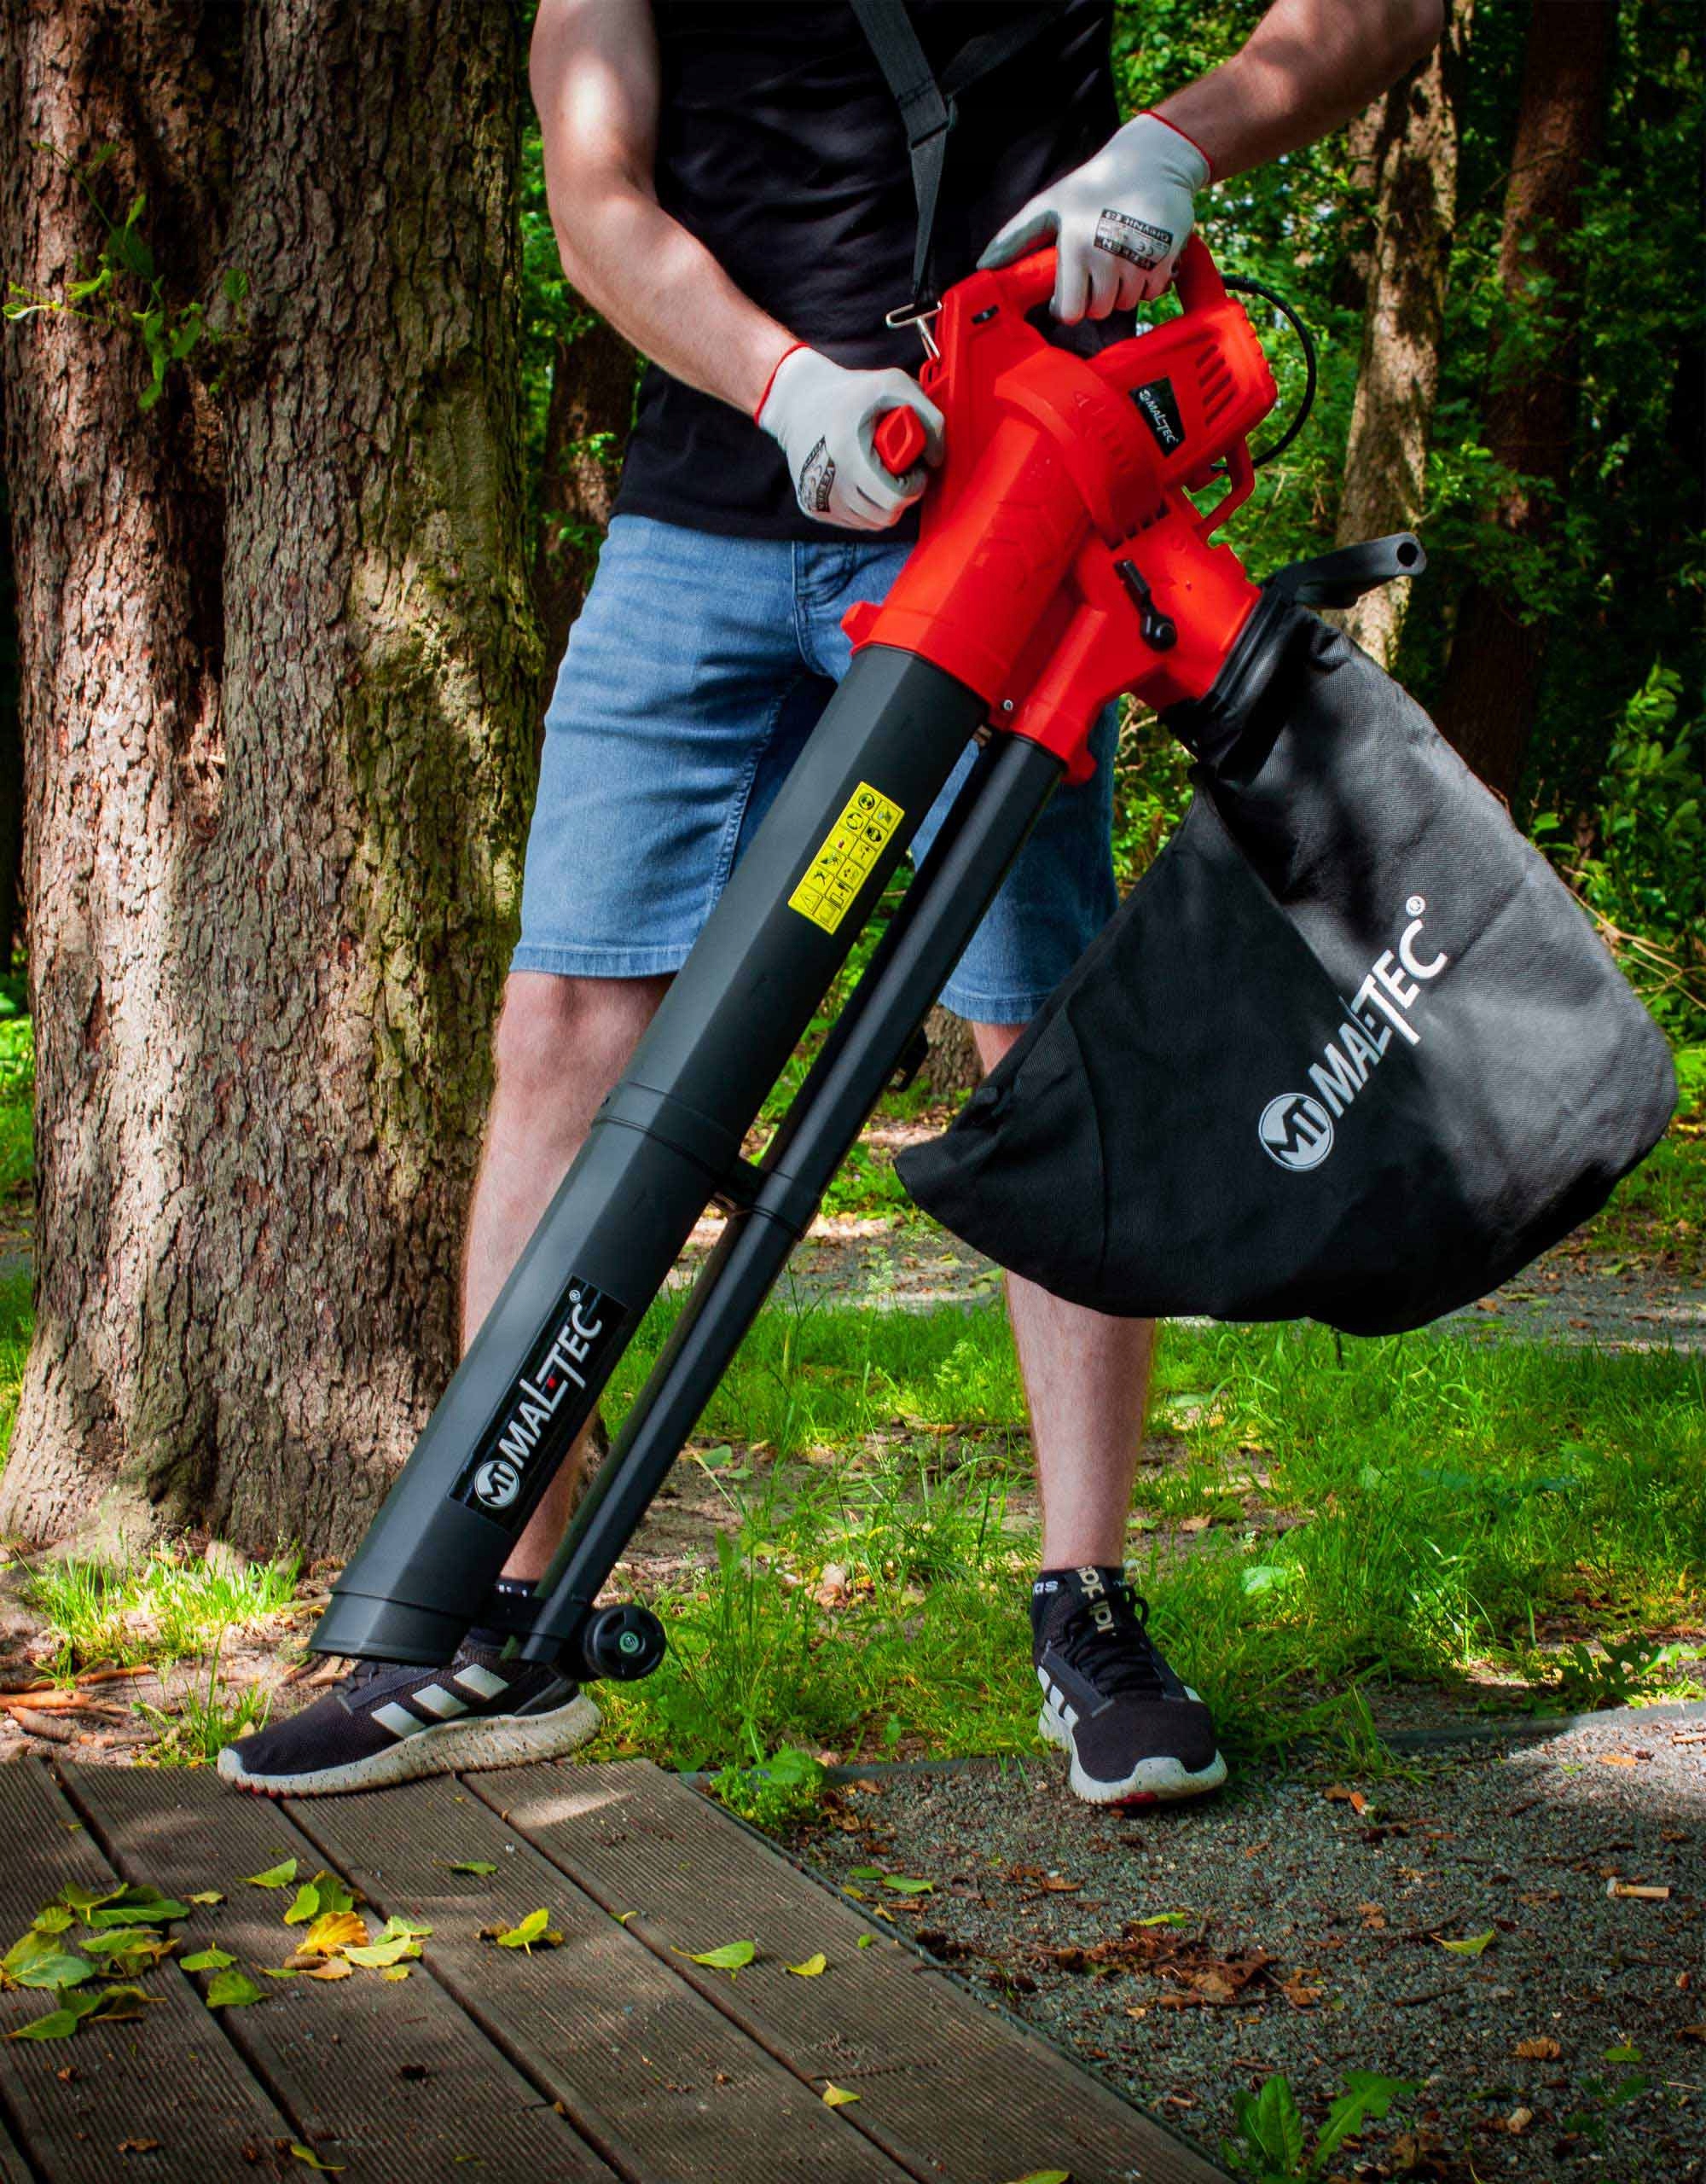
386, 1723
1136, 1734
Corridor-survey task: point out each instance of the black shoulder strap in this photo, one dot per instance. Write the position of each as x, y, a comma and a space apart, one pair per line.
927, 106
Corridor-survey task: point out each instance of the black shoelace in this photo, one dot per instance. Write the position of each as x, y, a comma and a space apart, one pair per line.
1121, 1661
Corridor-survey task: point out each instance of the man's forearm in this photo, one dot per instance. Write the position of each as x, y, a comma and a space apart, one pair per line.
595, 83
1309, 67
680, 309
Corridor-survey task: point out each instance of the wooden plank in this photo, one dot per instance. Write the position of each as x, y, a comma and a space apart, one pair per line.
172, 2077
391, 2077
951, 2089
665, 2086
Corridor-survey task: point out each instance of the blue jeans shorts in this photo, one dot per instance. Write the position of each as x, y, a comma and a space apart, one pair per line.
698, 668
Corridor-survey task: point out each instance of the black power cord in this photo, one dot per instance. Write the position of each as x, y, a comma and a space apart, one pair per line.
1239, 284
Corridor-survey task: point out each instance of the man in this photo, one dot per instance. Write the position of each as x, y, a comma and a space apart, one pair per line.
729, 185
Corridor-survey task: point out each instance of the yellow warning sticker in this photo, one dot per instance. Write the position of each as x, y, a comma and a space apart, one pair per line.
848, 857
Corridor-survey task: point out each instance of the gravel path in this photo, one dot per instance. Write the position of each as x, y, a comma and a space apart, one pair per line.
1310, 1941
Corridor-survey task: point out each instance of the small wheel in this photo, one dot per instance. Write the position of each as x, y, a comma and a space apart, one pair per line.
621, 1644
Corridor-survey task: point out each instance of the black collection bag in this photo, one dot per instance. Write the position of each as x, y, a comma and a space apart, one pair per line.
1349, 1051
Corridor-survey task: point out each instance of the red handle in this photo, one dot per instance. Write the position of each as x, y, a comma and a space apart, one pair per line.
899, 440
1029, 282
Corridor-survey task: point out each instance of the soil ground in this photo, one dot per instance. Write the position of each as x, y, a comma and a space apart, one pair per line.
1298, 1927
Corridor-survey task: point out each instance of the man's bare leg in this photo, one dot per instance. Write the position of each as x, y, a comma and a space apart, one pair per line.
1086, 1383
561, 1044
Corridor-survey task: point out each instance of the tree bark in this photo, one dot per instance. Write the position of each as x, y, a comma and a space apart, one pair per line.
1407, 143
586, 432
1498, 652
11, 751
278, 670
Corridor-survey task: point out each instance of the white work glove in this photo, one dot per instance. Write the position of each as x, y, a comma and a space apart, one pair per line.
823, 416
1118, 221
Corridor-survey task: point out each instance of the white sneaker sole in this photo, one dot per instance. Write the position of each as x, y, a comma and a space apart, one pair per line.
1151, 1781
458, 1747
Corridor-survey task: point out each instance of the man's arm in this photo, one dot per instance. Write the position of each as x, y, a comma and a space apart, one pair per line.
1120, 220
593, 65
594, 69
1308, 65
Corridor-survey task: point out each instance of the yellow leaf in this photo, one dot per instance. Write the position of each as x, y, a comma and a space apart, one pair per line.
334, 1931
813, 1965
334, 1967
307, 2155
1474, 1945
835, 2096
397, 1972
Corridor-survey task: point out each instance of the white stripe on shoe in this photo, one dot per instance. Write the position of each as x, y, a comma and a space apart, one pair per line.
398, 1719
480, 1681
437, 1700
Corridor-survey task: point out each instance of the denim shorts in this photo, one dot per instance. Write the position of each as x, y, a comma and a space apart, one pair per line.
697, 670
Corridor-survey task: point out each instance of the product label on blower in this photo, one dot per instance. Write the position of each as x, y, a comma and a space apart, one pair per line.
547, 1404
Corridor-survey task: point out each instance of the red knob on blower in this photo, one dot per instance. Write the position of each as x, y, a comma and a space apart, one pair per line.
899, 440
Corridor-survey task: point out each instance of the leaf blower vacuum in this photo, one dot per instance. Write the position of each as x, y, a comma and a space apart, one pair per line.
1061, 561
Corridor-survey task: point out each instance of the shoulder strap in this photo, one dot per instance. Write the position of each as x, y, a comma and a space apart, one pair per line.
927, 106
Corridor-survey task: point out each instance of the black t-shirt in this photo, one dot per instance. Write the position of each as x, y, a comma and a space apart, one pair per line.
780, 147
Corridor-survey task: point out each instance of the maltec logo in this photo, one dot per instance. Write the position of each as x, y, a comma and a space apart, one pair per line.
496, 1483
1296, 1129
545, 1404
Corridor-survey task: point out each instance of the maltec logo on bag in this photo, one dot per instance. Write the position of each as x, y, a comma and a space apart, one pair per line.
1296, 1129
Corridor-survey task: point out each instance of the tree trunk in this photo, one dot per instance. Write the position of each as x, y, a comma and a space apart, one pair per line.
586, 431
952, 1064
11, 751
278, 671
1498, 647
1410, 152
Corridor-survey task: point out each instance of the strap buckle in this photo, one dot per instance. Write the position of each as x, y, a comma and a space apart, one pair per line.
919, 315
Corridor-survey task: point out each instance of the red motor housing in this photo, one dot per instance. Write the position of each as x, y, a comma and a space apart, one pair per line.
1060, 559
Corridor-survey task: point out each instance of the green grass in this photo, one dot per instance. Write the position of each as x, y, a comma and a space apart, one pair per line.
172, 1606
1451, 1508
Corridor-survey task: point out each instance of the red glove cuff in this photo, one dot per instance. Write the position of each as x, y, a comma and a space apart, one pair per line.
787, 352
1186, 134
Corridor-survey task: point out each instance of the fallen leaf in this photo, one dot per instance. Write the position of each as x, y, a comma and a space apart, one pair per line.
332, 1931
1518, 2121
535, 1927
138, 2145
334, 1967
1164, 1918
907, 1885
54, 1968
835, 2096
864, 1873
129, 1950
481, 1865
397, 1972
729, 1957
1046, 2177
279, 1876
206, 1959
307, 2155
306, 1906
207, 1896
814, 1964
1541, 2048
1340, 1794
1472, 1945
1618, 1759
870, 1941
232, 1990
137, 1906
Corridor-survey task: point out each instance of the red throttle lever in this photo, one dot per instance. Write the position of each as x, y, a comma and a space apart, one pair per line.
899, 440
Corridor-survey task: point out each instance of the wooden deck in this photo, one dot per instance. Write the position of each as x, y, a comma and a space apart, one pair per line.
610, 2056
